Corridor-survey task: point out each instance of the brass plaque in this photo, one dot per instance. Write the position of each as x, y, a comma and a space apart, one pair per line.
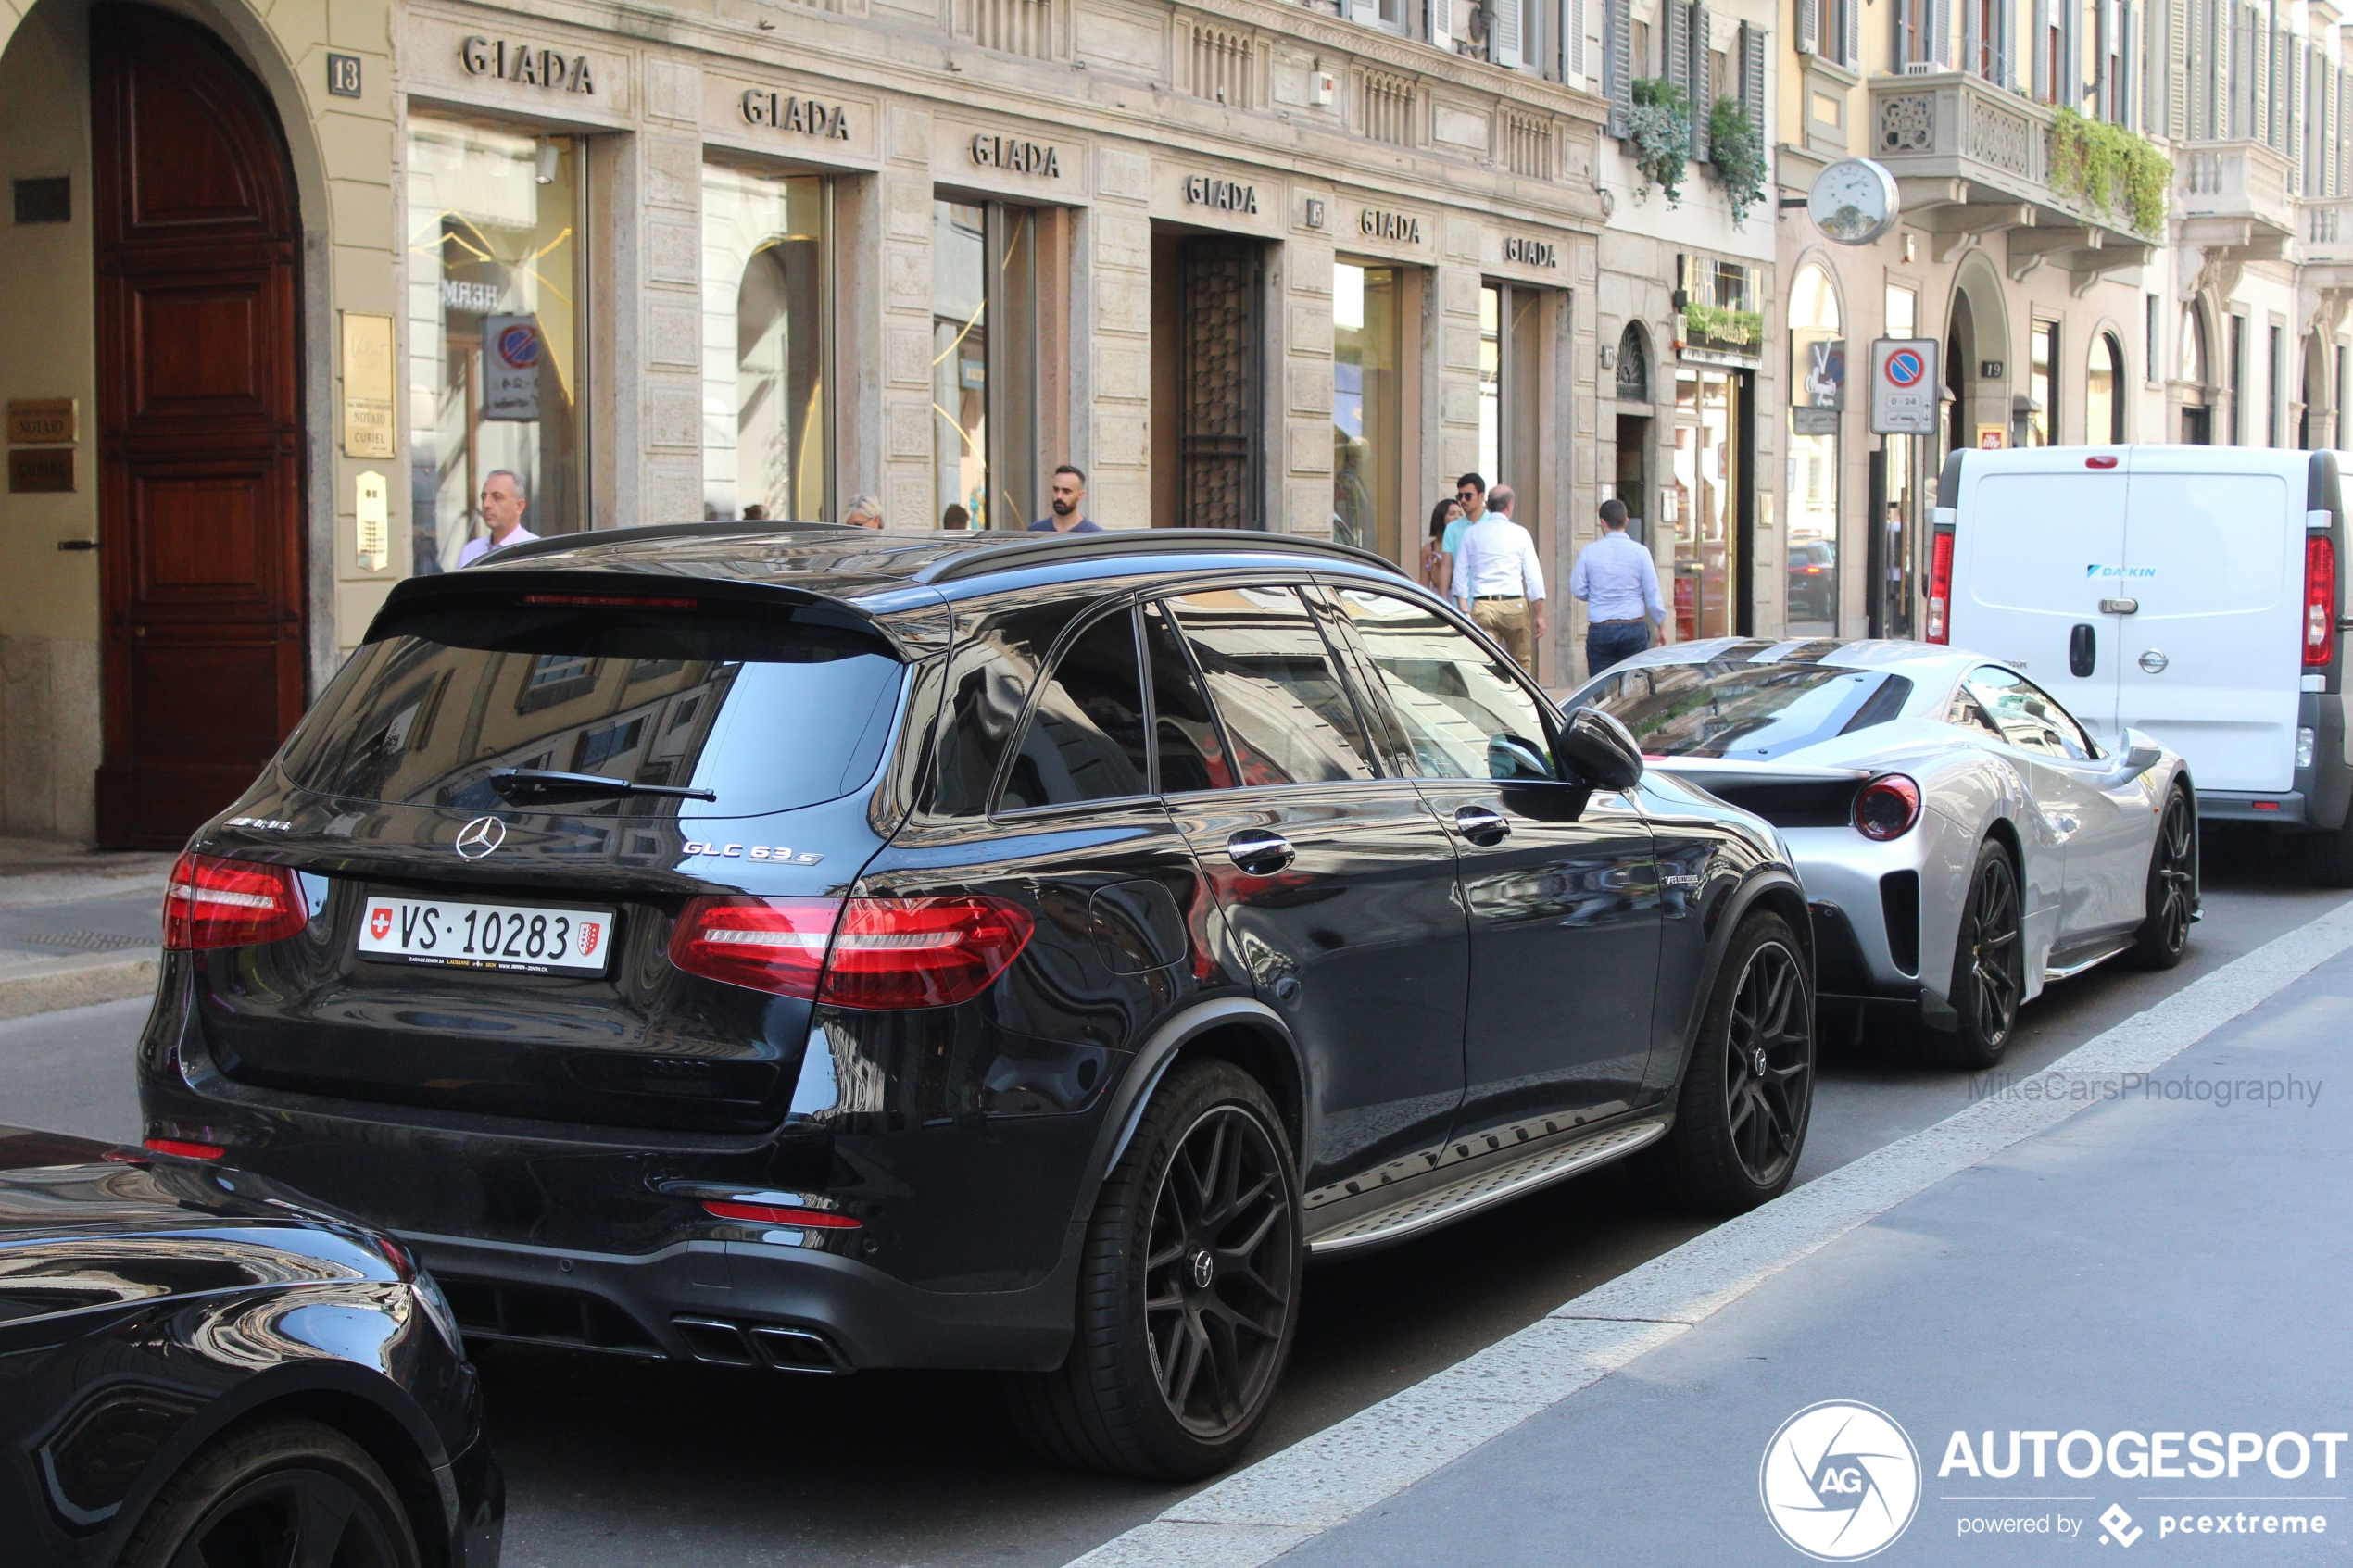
367, 385
41, 422
35, 470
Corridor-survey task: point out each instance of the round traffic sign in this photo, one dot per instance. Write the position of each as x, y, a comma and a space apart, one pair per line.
1905, 368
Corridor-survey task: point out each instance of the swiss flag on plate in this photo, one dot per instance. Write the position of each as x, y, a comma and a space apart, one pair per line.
380, 923
589, 931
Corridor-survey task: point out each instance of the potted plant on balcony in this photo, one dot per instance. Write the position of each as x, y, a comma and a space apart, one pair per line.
1737, 149
2106, 167
1658, 135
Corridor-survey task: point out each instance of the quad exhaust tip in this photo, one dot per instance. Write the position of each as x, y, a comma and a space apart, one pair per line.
722, 1343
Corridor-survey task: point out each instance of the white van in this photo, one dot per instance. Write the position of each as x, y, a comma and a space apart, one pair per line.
2188, 591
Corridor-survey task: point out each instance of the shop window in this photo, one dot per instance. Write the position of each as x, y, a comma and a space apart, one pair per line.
985, 392
1706, 496
495, 377
1367, 393
1511, 363
766, 431
1811, 609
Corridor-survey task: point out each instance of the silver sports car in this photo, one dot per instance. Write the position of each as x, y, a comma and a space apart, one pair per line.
1962, 838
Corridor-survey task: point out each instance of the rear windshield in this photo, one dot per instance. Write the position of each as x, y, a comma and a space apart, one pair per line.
768, 711
1738, 709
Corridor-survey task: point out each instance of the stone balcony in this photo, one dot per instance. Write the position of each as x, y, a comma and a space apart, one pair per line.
2235, 197
1973, 161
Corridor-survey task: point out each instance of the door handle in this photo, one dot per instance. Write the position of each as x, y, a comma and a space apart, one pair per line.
1259, 852
1480, 825
2119, 607
2082, 650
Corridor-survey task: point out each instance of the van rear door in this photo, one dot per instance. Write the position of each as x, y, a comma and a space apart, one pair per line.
2214, 562
2035, 532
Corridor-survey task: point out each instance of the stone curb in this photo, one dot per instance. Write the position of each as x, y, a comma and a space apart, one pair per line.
53, 984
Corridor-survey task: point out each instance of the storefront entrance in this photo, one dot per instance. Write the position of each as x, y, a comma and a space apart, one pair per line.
199, 437
1711, 414
1208, 337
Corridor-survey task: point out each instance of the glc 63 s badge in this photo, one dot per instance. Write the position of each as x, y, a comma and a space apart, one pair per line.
777, 853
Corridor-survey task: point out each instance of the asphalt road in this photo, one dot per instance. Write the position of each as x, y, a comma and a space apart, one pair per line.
617, 1464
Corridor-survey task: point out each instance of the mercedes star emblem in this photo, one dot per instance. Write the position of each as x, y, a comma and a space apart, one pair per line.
480, 836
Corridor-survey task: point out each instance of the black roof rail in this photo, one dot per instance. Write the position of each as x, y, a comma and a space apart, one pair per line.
726, 528
1022, 548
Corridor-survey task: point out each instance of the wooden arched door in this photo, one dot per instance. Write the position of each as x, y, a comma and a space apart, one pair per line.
199, 434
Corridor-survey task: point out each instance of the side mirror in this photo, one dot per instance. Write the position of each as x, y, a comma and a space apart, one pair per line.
1596, 749
1509, 756
2139, 757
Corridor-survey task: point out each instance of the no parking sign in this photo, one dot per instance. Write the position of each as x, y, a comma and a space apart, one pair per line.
1905, 386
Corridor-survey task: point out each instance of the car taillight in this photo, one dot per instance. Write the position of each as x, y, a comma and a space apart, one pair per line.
779, 1214
921, 952
181, 1150
2320, 600
871, 953
1940, 587
211, 902
1887, 807
774, 945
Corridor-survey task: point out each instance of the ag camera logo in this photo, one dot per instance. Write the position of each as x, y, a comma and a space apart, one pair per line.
1840, 1481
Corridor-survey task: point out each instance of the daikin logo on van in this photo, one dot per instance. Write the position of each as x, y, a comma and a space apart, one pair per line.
2096, 569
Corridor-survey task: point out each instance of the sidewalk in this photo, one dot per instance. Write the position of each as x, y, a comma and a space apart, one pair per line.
2110, 1253
77, 926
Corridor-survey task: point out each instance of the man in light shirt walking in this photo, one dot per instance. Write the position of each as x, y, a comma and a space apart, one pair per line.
1497, 580
1618, 581
503, 507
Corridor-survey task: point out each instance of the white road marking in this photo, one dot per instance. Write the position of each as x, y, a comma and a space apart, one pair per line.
1264, 1510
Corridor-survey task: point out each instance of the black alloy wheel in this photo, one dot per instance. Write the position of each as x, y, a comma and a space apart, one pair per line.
1217, 1287
1768, 1067
1748, 1092
1188, 1291
2172, 886
1989, 967
281, 1494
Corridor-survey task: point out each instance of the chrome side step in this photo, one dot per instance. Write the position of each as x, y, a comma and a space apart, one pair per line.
2051, 972
1500, 1183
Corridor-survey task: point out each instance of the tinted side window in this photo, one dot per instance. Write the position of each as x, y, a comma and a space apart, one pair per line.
990, 679
1285, 711
1190, 752
1086, 735
1447, 696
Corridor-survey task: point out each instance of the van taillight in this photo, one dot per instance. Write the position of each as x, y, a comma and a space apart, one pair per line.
212, 902
2319, 601
873, 953
1940, 587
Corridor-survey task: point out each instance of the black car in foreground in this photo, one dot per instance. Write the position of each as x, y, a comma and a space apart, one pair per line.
797, 948
199, 1371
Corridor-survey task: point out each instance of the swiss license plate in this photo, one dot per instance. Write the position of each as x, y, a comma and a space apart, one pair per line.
510, 938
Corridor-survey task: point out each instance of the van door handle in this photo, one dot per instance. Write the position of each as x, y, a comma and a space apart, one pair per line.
1259, 852
1480, 825
2119, 607
2082, 650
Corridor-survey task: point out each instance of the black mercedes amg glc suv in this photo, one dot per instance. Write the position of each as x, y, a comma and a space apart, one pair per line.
793, 946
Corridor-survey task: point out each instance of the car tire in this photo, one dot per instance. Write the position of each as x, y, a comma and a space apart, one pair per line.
2172, 898
260, 1492
1989, 969
1748, 1090
2329, 856
1187, 1290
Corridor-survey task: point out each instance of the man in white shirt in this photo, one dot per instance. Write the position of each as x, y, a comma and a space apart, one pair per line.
1497, 578
1618, 581
503, 507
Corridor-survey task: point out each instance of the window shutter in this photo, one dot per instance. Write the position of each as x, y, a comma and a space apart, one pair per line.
1675, 56
2004, 24
2128, 81
1368, 11
1754, 59
1851, 34
1617, 61
1573, 64
1703, 72
1809, 27
1939, 52
1503, 33
2102, 57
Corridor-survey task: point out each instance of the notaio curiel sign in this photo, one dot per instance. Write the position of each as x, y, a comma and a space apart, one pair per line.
1905, 386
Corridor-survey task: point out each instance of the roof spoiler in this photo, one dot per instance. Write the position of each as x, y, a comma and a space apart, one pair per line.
456, 589
1042, 549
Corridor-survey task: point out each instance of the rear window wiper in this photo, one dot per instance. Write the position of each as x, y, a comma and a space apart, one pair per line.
519, 785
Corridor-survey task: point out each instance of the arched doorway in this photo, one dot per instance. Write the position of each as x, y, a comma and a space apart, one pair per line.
1977, 372
199, 430
2104, 392
1633, 385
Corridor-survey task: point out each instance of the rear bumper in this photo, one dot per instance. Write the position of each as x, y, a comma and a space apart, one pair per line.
2235, 805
